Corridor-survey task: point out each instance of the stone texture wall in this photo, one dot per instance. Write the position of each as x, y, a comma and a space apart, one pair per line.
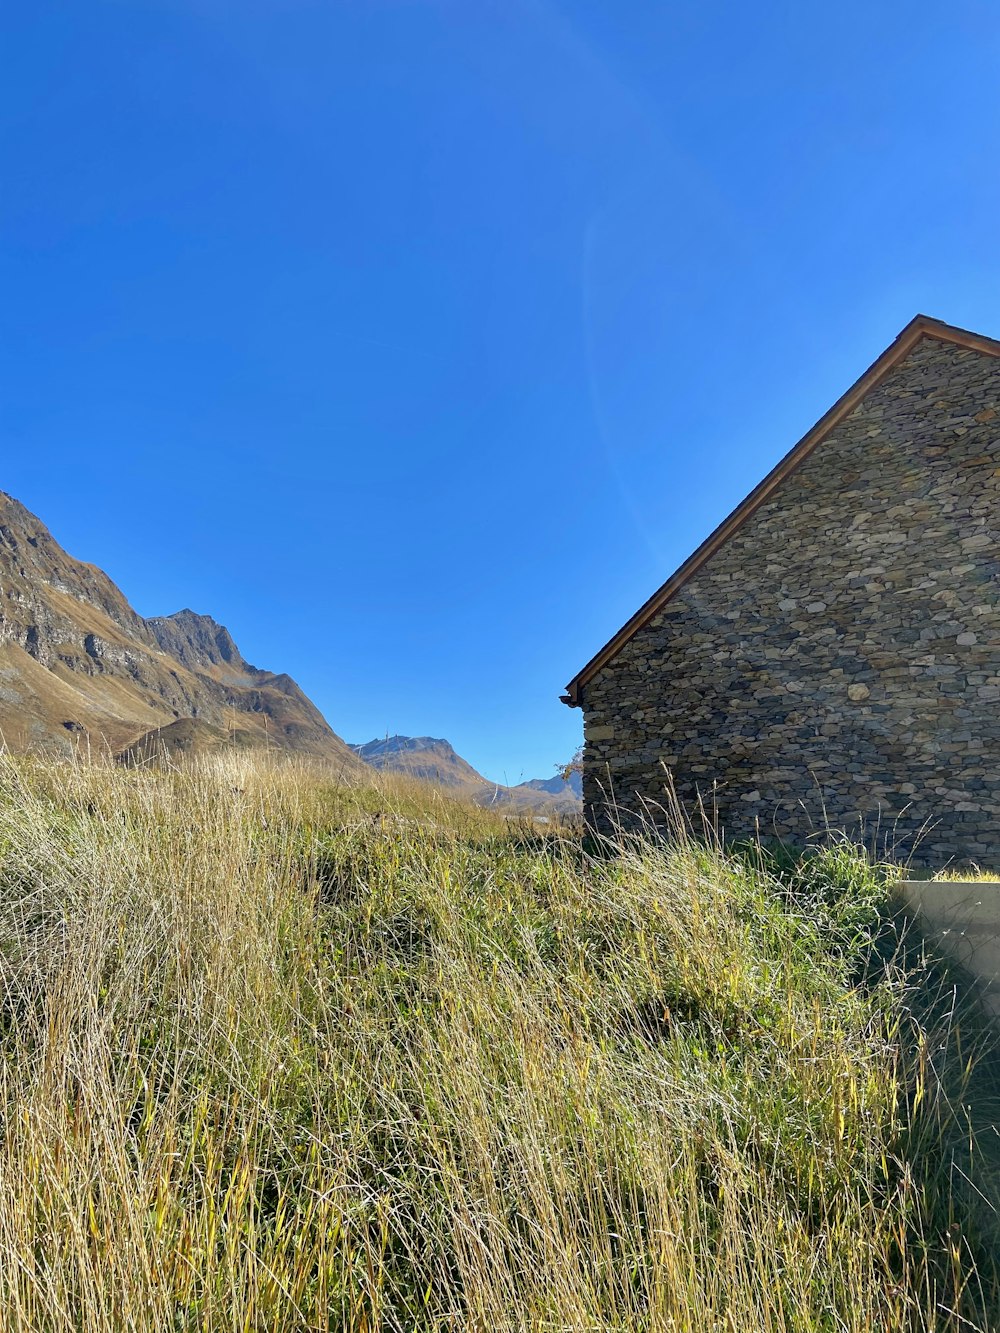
838, 660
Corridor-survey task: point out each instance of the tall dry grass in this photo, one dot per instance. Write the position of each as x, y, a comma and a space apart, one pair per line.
276, 1054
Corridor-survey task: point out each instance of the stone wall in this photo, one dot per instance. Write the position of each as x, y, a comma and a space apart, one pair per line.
837, 661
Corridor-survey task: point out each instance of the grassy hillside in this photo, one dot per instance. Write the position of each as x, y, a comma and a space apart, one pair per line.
278, 1055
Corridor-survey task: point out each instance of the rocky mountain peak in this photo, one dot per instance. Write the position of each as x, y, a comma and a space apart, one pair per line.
556, 786
427, 757
199, 641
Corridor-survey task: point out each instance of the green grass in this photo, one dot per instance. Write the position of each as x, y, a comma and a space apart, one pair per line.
278, 1054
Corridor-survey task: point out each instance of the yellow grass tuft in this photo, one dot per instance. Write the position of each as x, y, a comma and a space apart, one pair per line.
281, 1054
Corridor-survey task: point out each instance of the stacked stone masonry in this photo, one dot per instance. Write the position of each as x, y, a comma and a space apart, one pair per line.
836, 663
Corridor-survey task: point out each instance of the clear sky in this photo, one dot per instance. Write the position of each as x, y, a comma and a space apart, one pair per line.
418, 341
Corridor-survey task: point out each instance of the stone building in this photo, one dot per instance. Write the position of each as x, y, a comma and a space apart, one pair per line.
830, 656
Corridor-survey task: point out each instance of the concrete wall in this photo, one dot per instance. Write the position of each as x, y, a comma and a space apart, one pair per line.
838, 660
964, 919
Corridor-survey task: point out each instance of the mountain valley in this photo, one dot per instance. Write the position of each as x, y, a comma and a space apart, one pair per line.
434, 760
82, 672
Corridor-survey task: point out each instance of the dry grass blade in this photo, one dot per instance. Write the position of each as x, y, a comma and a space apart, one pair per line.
282, 1054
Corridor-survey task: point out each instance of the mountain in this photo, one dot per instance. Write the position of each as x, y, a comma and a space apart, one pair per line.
436, 761
555, 786
420, 757
79, 666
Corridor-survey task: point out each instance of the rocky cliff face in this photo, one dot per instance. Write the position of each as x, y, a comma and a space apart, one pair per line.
79, 665
200, 642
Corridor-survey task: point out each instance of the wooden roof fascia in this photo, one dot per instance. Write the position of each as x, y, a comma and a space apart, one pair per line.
921, 326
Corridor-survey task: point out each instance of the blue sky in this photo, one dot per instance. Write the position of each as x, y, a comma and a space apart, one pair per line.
419, 340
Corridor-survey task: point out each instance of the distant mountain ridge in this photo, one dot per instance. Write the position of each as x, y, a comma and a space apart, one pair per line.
420, 757
557, 785
79, 664
435, 760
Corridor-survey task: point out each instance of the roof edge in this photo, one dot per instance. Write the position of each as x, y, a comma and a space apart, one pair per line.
921, 326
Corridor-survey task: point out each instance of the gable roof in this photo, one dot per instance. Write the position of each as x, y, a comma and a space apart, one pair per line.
921, 326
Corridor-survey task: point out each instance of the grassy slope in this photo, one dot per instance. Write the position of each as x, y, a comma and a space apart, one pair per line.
279, 1055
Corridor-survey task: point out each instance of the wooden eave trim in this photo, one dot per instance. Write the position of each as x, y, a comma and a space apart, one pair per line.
921, 326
